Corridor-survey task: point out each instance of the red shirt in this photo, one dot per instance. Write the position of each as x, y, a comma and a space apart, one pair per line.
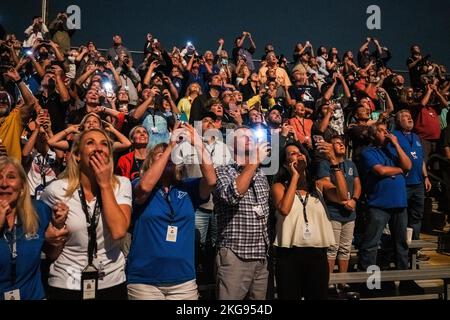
426, 123
361, 92
302, 129
125, 166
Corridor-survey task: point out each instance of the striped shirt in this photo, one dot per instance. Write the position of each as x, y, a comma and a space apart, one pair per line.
242, 219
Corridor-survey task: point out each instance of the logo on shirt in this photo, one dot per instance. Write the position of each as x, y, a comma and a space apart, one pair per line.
350, 171
418, 144
30, 236
182, 194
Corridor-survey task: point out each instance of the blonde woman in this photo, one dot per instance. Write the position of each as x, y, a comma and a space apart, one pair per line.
23, 223
161, 261
63, 139
91, 264
184, 105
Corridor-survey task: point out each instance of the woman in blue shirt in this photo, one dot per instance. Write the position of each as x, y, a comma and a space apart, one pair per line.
161, 259
23, 224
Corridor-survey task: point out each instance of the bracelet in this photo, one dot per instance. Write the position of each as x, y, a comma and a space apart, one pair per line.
335, 166
336, 169
425, 177
17, 82
355, 199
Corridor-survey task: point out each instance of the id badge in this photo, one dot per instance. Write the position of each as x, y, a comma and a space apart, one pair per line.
12, 295
38, 191
307, 232
258, 211
89, 282
172, 233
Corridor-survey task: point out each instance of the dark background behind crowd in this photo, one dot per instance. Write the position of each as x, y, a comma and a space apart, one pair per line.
334, 23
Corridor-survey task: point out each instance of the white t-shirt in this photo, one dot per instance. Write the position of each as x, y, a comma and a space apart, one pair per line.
40, 163
65, 272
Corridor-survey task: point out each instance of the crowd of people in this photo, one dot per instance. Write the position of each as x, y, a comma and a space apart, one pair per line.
133, 177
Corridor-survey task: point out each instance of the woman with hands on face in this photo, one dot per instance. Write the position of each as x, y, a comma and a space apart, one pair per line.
91, 263
303, 229
23, 223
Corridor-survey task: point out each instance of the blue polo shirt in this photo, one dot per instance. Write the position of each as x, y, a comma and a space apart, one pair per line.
383, 192
28, 261
410, 143
152, 259
338, 212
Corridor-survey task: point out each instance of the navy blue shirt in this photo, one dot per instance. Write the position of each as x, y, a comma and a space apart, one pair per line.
338, 212
383, 192
410, 143
153, 260
28, 261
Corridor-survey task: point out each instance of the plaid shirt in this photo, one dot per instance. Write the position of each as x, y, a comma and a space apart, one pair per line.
242, 219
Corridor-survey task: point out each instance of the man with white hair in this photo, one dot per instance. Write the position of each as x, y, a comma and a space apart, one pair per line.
417, 180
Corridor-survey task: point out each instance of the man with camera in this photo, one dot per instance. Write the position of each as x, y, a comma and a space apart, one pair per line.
426, 119
240, 51
129, 77
222, 60
118, 50
55, 97
199, 105
241, 203
380, 56
61, 32
420, 67
37, 30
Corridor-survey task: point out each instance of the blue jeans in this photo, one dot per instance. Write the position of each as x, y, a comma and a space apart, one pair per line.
377, 220
416, 206
203, 222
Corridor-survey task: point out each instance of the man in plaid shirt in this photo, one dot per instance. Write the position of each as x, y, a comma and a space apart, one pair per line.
241, 203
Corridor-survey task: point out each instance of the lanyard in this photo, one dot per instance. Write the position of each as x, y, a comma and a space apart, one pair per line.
152, 113
43, 168
92, 223
11, 239
169, 203
304, 203
302, 124
213, 150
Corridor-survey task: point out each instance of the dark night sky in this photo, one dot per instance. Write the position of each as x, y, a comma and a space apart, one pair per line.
333, 23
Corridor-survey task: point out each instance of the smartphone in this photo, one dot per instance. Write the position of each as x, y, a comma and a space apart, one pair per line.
44, 112
233, 107
318, 139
